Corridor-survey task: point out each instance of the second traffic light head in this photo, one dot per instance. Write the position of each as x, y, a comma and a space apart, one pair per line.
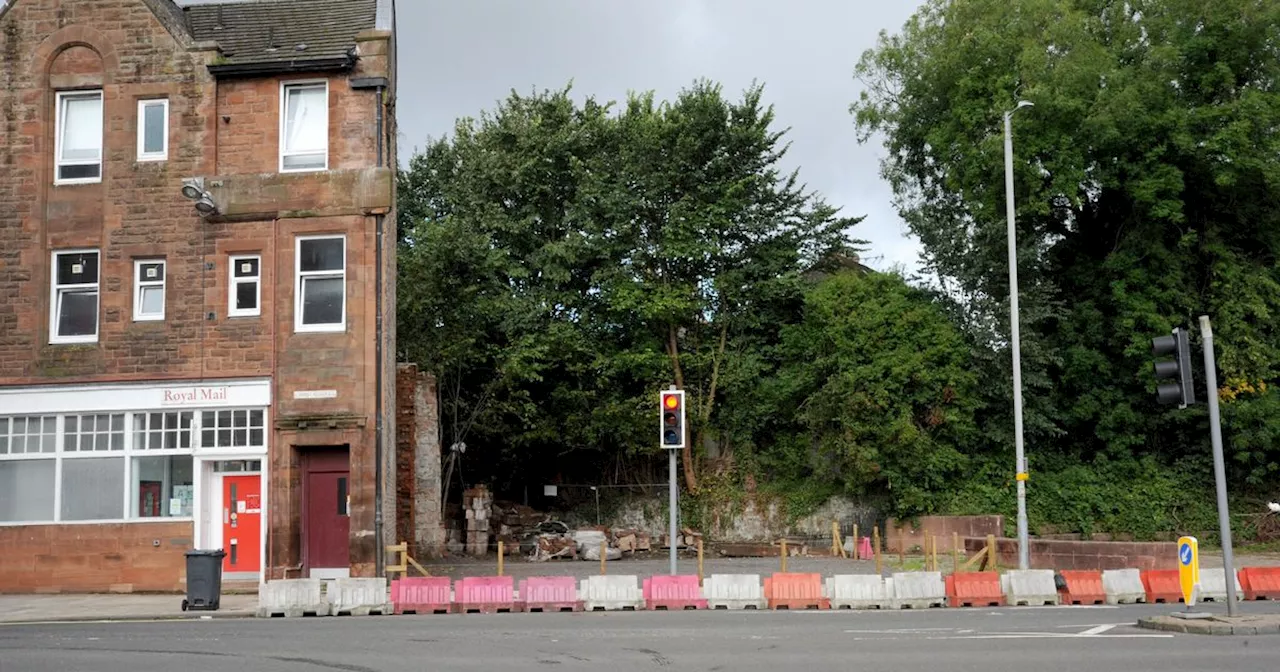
1181, 389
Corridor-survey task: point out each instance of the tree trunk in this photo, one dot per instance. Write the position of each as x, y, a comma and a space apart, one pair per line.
686, 454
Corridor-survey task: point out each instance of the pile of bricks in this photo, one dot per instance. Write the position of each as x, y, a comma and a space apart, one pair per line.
478, 505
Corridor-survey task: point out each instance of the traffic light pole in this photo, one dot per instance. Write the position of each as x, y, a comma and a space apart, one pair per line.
1219, 467
674, 496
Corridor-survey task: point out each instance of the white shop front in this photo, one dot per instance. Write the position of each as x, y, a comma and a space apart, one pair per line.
135, 453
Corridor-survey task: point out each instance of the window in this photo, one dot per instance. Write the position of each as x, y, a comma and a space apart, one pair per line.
232, 429
304, 127
162, 487
153, 130
148, 290
82, 467
73, 311
321, 290
246, 289
79, 137
161, 431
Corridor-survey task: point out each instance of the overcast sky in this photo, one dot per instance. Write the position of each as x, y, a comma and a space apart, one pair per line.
458, 57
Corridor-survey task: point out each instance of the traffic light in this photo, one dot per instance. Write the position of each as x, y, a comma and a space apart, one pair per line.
1181, 390
671, 407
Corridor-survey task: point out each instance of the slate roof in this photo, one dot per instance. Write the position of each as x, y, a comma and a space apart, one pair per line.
282, 33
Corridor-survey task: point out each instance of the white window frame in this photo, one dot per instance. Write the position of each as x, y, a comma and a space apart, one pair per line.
233, 285
58, 163
299, 276
55, 298
140, 283
134, 449
143, 154
284, 119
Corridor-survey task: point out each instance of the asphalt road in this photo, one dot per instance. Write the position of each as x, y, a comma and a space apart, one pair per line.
1088, 639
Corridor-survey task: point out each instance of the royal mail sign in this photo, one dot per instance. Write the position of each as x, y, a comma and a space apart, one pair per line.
193, 396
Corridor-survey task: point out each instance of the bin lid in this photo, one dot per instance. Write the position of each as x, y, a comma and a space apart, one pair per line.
202, 552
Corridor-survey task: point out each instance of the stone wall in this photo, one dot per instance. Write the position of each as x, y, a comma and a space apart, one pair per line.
115, 557
418, 484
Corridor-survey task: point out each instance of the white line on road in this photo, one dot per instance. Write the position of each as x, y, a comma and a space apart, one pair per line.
1097, 630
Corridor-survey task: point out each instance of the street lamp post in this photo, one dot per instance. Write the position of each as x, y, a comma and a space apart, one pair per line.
1024, 553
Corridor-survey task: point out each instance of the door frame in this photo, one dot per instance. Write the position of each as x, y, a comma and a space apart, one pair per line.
311, 457
208, 502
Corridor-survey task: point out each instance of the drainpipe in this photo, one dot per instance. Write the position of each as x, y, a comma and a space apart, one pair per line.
379, 85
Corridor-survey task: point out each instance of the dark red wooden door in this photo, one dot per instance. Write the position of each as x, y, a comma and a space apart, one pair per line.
327, 492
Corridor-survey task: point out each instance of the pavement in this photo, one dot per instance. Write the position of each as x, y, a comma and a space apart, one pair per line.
132, 607
992, 640
1249, 624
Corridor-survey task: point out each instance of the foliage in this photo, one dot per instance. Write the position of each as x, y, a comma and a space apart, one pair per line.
560, 262
1148, 186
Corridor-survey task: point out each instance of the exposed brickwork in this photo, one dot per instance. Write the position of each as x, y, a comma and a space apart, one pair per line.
135, 49
406, 441
94, 558
912, 534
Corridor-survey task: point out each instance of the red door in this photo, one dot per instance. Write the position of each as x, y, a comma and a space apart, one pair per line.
327, 492
241, 522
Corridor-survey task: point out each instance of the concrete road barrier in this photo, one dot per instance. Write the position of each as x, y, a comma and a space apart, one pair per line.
734, 591
292, 598
612, 593
1029, 587
919, 590
1123, 586
858, 591
359, 597
1213, 585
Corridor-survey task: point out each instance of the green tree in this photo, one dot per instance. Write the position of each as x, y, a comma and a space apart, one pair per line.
1148, 192
884, 391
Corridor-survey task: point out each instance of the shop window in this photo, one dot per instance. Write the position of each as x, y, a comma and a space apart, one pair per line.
26, 490
162, 486
93, 488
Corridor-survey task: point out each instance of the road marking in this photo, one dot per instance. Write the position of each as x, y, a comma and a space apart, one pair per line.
1097, 630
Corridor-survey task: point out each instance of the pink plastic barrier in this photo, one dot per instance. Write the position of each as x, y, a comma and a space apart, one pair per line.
864, 548
673, 593
421, 595
486, 594
550, 593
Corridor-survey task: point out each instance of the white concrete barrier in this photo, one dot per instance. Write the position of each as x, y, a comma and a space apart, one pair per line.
359, 597
857, 591
1213, 585
611, 593
919, 590
734, 591
1123, 586
1029, 587
292, 598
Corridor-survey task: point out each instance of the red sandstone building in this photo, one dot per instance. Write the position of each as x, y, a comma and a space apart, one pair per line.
197, 254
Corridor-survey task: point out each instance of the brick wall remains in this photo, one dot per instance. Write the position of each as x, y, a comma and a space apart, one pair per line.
943, 527
1061, 554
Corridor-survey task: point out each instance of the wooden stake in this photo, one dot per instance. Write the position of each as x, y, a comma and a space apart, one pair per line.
500, 557
992, 556
955, 552
934, 543
902, 549
699, 561
875, 550
604, 556
856, 540
784, 556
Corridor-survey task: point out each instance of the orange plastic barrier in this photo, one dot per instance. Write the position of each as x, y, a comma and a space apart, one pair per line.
1084, 586
1260, 583
974, 589
795, 591
1162, 585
